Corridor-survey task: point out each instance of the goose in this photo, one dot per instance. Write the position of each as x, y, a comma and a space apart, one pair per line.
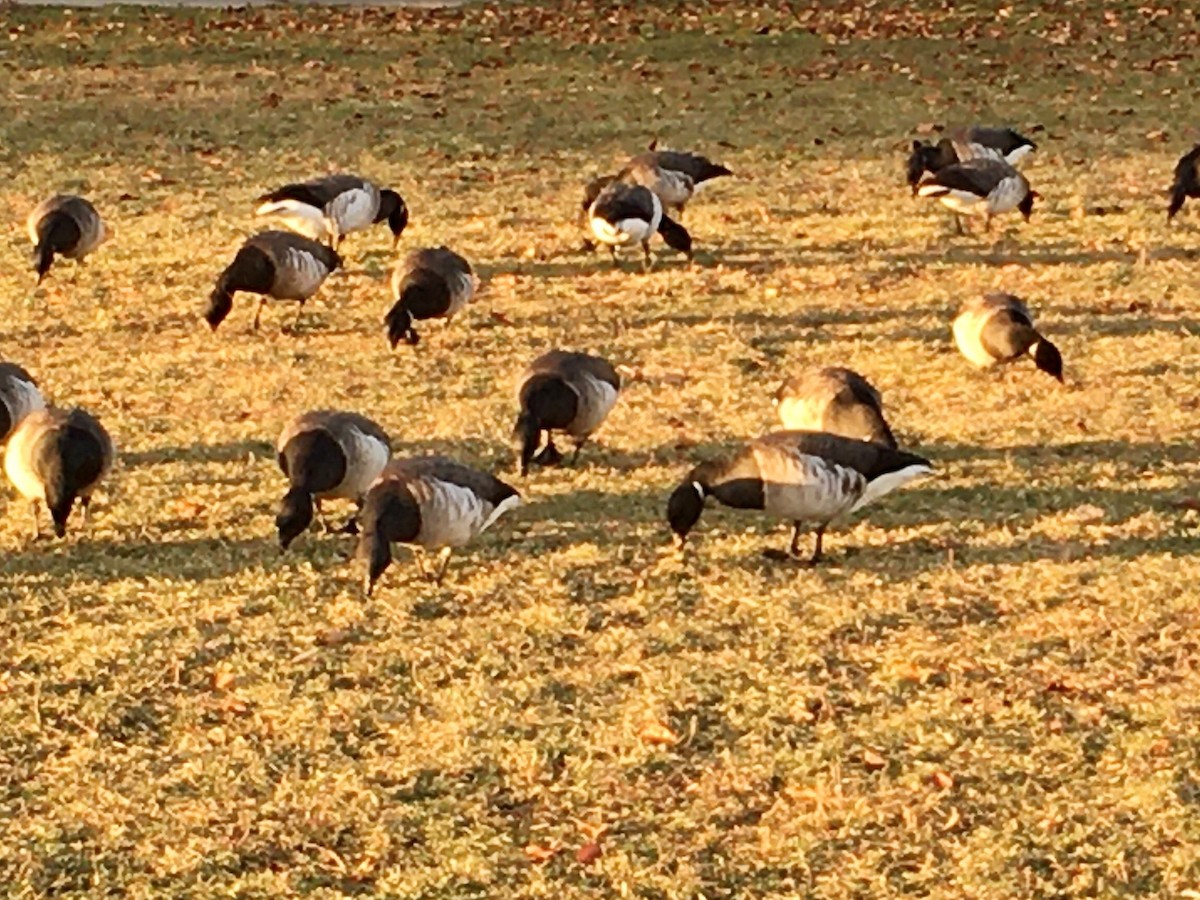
834, 400
63, 225
975, 142
276, 265
997, 328
57, 457
19, 396
433, 283
984, 187
1187, 181
627, 213
562, 391
431, 502
326, 455
798, 476
329, 208
674, 175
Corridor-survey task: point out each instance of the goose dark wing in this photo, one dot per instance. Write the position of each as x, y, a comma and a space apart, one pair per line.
276, 245
566, 363
978, 177
441, 260
868, 459
621, 201
1003, 140
698, 167
14, 372
1009, 304
347, 420
441, 468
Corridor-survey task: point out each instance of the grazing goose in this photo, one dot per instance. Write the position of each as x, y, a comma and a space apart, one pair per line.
276, 265
567, 392
434, 283
673, 175
795, 475
1187, 181
980, 187
626, 214
431, 502
57, 457
834, 400
63, 225
326, 455
19, 396
976, 142
327, 209
998, 328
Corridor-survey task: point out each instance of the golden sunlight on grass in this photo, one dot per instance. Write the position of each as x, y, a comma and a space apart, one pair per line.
988, 691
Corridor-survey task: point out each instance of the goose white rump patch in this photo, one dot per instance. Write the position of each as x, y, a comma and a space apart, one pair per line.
885, 484
1015, 156
623, 232
298, 217
963, 202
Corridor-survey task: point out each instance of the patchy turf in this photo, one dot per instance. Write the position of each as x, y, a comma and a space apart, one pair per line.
989, 691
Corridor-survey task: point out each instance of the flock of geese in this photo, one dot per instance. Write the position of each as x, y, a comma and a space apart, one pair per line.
835, 455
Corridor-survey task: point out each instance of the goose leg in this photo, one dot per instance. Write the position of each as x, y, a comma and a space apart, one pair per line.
647, 262
578, 446
816, 557
296, 321
795, 550
549, 455
445, 558
419, 554
321, 520
351, 525
987, 224
37, 527
958, 224
84, 504
612, 251
262, 301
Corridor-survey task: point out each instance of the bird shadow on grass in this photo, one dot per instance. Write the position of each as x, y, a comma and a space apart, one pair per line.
194, 559
1017, 253
228, 452
1046, 456
477, 451
810, 326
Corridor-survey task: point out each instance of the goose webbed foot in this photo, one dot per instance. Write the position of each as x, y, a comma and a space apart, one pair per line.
549, 456
792, 554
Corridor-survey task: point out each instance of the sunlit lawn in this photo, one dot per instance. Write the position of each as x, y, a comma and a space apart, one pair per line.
990, 689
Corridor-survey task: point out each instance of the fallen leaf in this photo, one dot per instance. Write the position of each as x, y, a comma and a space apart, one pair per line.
873, 760
501, 318
588, 853
658, 733
222, 679
943, 780
539, 854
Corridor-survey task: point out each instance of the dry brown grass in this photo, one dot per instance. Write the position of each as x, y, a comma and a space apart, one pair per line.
990, 690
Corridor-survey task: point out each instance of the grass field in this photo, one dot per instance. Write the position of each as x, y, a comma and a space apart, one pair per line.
990, 690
